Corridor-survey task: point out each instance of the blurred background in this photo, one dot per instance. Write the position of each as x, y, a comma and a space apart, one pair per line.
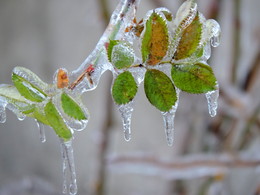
214, 156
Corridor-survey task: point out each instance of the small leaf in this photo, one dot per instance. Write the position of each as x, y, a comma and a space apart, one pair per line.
28, 84
198, 78
124, 88
190, 40
71, 108
56, 121
122, 55
13, 97
111, 44
155, 40
159, 90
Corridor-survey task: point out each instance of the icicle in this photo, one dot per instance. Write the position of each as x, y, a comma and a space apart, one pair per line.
168, 118
69, 173
2, 113
126, 113
212, 98
64, 168
42, 131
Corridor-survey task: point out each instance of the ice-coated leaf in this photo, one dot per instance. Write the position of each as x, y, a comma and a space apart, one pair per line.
124, 88
111, 44
39, 115
27, 89
190, 40
198, 78
71, 108
122, 55
30, 77
12, 96
159, 90
56, 121
155, 40
185, 14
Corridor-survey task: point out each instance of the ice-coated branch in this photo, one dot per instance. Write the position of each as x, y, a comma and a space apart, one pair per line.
121, 18
188, 167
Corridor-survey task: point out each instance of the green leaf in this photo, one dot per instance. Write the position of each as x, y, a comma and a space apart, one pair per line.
155, 40
198, 78
190, 40
39, 115
71, 108
28, 84
111, 44
56, 122
122, 55
124, 88
12, 96
159, 90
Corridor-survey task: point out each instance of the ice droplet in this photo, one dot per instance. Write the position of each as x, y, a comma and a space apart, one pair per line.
42, 131
215, 41
126, 111
212, 98
68, 168
20, 116
3, 104
168, 118
214, 32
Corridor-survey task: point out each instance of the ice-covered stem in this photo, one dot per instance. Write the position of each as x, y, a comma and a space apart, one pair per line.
120, 19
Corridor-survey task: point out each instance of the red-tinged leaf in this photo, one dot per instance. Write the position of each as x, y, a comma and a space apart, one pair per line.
155, 40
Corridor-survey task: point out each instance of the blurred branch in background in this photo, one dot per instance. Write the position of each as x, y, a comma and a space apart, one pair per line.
28, 186
185, 167
103, 134
236, 41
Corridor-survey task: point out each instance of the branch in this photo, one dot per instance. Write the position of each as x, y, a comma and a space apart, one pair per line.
188, 167
120, 19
